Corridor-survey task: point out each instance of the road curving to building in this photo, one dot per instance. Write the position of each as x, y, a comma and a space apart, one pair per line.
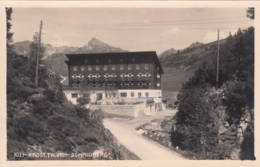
144, 148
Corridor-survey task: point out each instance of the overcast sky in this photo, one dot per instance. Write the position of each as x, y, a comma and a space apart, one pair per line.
137, 29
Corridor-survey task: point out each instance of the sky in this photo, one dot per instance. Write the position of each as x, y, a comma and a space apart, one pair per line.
132, 29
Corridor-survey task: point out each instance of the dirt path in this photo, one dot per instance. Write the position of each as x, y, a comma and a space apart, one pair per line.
138, 144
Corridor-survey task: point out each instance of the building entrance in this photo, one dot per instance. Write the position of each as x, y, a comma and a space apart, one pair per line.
99, 96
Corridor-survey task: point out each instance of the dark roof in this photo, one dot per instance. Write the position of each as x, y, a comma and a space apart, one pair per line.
66, 87
143, 53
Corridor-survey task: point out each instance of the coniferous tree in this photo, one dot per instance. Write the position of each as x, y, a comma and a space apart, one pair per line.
9, 34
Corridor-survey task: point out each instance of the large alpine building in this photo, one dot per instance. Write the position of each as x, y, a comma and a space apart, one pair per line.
114, 76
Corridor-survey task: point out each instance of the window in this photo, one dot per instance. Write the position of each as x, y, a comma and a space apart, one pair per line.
74, 75
130, 84
75, 68
121, 67
132, 94
139, 94
158, 84
133, 59
74, 95
97, 61
82, 68
121, 60
140, 84
129, 67
123, 94
86, 61
112, 84
113, 67
137, 67
97, 68
90, 75
123, 84
122, 75
109, 60
90, 84
105, 84
158, 76
130, 75
105, 67
81, 76
146, 66
89, 68
147, 94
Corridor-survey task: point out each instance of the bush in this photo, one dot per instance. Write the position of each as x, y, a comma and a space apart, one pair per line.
50, 95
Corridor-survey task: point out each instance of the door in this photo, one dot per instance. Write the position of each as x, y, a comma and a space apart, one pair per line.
99, 96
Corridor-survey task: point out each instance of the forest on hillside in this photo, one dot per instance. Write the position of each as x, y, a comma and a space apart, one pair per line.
41, 123
216, 120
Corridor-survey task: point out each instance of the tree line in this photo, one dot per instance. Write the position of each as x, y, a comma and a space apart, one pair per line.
209, 117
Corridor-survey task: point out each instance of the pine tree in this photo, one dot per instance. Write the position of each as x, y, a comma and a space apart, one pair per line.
9, 34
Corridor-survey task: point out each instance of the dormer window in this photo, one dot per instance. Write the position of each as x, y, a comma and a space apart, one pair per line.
146, 66
113, 67
75, 68
89, 68
109, 60
97, 61
133, 59
97, 68
121, 60
137, 66
82, 68
121, 67
129, 67
86, 61
105, 67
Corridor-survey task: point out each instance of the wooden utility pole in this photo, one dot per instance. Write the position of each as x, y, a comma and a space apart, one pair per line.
217, 79
37, 58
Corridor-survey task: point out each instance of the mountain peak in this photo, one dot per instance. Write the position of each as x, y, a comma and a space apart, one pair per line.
167, 52
94, 42
97, 46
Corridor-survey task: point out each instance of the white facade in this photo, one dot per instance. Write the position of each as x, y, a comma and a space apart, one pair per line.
116, 95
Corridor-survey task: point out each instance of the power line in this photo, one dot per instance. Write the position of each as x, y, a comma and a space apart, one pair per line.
37, 58
143, 23
72, 26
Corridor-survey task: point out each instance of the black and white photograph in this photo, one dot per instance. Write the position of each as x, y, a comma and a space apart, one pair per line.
130, 83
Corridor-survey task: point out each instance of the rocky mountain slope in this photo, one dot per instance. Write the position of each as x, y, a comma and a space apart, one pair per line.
56, 60
54, 57
95, 46
180, 65
168, 53
190, 57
